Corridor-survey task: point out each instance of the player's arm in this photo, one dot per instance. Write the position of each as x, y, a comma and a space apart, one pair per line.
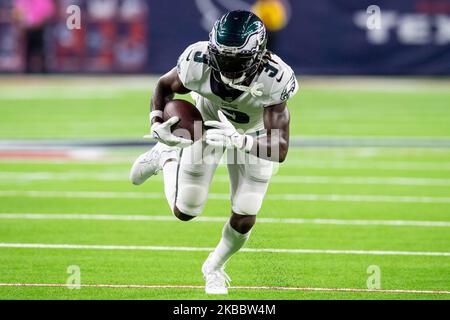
165, 90
274, 146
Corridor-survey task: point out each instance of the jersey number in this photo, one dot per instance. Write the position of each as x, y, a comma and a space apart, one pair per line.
271, 70
200, 57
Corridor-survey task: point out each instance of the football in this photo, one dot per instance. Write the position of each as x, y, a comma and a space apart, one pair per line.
190, 125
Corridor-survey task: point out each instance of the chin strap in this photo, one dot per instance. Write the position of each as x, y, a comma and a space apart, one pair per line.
254, 88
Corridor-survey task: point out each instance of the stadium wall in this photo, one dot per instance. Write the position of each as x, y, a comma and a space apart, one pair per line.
338, 37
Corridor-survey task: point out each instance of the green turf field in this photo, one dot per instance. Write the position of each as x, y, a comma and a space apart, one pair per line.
330, 213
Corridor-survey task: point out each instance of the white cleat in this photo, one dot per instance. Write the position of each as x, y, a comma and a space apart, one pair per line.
217, 281
149, 163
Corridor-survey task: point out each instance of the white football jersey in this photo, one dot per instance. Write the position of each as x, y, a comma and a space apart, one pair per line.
241, 108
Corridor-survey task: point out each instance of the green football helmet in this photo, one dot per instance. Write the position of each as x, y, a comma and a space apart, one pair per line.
236, 45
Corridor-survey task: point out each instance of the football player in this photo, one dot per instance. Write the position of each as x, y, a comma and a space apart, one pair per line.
241, 90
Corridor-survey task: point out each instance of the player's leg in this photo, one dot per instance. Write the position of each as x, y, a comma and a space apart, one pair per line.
194, 174
187, 175
249, 180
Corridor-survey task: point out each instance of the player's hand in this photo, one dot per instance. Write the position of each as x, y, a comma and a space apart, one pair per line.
224, 134
161, 132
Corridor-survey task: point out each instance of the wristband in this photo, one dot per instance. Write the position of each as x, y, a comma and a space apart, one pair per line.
156, 113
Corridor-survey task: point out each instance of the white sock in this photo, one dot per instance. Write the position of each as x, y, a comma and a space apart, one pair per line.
230, 243
170, 181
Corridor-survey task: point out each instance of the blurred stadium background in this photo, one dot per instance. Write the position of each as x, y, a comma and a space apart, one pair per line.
366, 182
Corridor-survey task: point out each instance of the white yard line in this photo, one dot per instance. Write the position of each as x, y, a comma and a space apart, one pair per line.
64, 176
121, 217
359, 198
224, 196
73, 94
370, 165
203, 249
19, 177
274, 288
116, 160
361, 180
83, 194
315, 164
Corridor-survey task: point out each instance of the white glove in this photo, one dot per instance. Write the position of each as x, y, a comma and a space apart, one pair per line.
161, 132
225, 135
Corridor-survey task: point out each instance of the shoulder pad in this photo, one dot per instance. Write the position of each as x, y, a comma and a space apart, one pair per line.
279, 81
191, 64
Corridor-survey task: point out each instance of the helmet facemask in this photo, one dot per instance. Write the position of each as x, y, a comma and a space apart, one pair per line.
233, 67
